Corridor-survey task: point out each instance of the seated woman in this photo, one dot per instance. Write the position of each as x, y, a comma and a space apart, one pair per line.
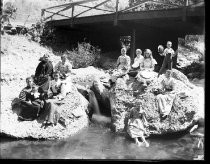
58, 88
136, 124
123, 66
64, 67
166, 98
136, 65
147, 65
33, 105
138, 59
44, 72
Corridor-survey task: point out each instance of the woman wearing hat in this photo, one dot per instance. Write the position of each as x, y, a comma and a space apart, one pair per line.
44, 72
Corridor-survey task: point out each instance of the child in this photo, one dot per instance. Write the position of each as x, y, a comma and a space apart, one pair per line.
167, 62
35, 96
55, 87
136, 128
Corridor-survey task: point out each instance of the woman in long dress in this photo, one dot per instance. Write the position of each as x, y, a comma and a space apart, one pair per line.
123, 66
147, 66
165, 99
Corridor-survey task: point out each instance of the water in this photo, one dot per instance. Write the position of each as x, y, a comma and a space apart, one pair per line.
98, 142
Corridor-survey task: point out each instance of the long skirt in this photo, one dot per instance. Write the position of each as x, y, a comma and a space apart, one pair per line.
28, 111
135, 132
167, 99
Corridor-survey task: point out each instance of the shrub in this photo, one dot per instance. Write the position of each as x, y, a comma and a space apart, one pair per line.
84, 55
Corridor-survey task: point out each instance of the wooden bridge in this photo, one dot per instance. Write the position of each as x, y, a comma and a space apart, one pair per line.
147, 28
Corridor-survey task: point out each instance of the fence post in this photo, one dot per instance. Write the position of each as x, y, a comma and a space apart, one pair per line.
185, 10
116, 13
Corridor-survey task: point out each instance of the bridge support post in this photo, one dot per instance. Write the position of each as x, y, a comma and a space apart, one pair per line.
116, 13
72, 16
133, 44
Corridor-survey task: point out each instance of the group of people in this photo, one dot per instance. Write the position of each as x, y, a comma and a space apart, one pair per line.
143, 70
48, 85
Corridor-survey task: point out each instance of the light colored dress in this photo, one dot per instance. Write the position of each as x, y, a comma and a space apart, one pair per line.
168, 97
135, 127
63, 68
147, 69
137, 61
123, 63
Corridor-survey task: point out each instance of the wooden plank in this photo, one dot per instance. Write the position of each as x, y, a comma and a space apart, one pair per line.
91, 8
57, 14
72, 17
71, 3
96, 8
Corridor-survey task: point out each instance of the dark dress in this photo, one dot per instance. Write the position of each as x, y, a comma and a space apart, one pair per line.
43, 74
29, 111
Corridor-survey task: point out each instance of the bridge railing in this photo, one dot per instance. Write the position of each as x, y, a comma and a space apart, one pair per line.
77, 8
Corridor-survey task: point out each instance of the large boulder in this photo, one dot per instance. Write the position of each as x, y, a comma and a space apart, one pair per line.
124, 96
72, 109
87, 75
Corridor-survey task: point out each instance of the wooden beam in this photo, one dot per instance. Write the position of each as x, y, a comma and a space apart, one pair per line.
72, 16
91, 8
133, 44
71, 3
96, 8
116, 13
66, 8
57, 14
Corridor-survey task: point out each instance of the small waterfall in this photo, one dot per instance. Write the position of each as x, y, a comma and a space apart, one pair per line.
94, 103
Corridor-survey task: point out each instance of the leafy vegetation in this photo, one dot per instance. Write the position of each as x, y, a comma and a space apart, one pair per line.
83, 56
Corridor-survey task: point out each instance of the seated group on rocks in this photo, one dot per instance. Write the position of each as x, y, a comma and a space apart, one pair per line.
44, 89
49, 85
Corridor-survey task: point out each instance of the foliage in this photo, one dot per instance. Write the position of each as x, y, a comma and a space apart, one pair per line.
194, 70
47, 35
84, 55
8, 11
153, 6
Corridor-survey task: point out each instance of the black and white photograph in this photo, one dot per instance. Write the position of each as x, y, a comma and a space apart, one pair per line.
106, 80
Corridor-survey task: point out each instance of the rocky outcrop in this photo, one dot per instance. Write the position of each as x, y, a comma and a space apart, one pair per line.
87, 75
130, 94
72, 109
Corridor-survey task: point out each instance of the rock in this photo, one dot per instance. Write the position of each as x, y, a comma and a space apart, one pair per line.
72, 109
87, 75
184, 110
